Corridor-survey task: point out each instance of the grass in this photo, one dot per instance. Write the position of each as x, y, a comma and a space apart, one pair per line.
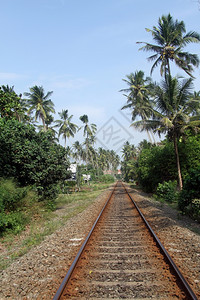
44, 222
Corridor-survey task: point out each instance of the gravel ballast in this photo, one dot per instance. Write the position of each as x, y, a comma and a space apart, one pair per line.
37, 274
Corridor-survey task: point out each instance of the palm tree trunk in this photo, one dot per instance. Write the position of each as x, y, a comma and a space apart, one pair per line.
65, 142
149, 136
168, 67
153, 136
44, 125
178, 162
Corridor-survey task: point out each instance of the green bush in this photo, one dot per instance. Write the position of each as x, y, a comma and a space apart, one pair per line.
196, 209
13, 221
190, 192
107, 178
10, 195
32, 158
11, 203
158, 164
166, 191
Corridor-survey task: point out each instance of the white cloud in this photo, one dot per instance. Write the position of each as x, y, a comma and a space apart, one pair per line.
10, 76
76, 83
63, 81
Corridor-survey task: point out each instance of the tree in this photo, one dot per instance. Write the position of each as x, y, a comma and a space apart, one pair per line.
173, 112
77, 151
40, 103
129, 153
138, 97
88, 132
32, 158
66, 128
170, 40
10, 104
195, 104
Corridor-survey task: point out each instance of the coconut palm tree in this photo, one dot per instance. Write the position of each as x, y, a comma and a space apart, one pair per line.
66, 128
77, 151
89, 131
40, 103
139, 97
172, 113
171, 37
195, 104
102, 159
128, 151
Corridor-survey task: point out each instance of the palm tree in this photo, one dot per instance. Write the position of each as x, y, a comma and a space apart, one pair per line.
170, 40
102, 159
77, 151
195, 104
7, 89
128, 151
172, 114
66, 128
40, 103
114, 160
88, 132
138, 97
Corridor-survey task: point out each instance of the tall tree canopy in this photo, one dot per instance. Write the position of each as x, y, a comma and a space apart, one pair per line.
66, 128
171, 37
40, 103
172, 114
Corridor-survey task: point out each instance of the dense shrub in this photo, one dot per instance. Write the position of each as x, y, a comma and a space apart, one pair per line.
11, 196
11, 204
189, 196
14, 221
32, 158
107, 178
166, 191
156, 165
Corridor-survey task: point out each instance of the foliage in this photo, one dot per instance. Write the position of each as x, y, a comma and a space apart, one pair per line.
172, 114
170, 38
128, 166
166, 191
106, 178
190, 193
10, 104
32, 158
10, 195
66, 128
11, 204
189, 151
156, 165
40, 103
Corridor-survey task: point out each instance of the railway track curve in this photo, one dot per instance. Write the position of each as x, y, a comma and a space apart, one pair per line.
123, 258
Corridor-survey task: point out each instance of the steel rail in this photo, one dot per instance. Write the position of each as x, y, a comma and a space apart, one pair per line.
73, 265
188, 290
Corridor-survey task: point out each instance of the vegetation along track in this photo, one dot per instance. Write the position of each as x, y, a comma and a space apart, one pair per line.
121, 258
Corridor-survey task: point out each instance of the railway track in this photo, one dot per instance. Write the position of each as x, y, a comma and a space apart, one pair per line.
122, 258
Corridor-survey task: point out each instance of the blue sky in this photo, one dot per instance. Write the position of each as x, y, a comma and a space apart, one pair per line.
81, 50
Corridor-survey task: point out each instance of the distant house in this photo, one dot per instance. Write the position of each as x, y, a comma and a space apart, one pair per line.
72, 169
107, 172
86, 177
